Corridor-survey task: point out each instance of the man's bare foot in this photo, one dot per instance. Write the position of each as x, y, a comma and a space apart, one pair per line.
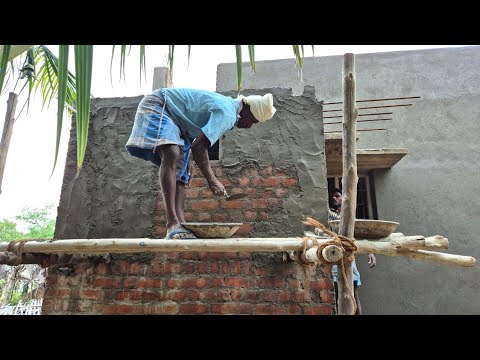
177, 231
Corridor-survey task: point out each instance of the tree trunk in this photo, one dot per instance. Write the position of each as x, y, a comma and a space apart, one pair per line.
7, 133
346, 301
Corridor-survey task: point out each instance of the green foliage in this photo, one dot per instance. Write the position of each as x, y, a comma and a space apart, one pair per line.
39, 223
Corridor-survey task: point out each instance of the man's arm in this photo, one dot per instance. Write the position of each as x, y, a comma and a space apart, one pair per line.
200, 156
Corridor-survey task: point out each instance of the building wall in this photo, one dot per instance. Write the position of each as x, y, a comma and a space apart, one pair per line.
434, 188
279, 164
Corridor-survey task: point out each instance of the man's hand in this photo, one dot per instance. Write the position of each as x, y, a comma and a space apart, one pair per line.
372, 261
217, 187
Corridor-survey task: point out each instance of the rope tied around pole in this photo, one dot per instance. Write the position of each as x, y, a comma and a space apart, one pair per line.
18, 253
346, 244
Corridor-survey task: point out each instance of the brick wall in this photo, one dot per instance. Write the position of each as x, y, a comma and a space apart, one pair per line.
266, 187
190, 283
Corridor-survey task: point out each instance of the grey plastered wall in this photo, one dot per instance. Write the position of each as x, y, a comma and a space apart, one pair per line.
434, 189
293, 141
115, 195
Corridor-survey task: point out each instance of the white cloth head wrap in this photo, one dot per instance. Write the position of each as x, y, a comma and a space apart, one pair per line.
261, 106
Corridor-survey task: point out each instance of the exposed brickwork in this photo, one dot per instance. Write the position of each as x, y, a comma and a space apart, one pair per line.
190, 283
267, 188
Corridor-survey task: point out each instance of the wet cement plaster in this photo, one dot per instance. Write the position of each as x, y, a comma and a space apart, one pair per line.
293, 140
115, 194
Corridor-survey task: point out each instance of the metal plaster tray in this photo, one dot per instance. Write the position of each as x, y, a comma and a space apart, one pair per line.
212, 229
369, 229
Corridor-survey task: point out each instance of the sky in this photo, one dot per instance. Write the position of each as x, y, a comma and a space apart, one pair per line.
27, 182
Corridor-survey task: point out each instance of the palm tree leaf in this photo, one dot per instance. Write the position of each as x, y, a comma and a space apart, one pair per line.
238, 49
313, 50
111, 64
171, 49
15, 50
251, 54
3, 64
62, 94
122, 60
188, 59
142, 63
83, 70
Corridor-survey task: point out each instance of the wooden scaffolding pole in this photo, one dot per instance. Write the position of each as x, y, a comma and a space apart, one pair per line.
346, 301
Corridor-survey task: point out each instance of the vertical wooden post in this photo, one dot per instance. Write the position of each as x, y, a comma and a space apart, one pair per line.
7, 132
346, 301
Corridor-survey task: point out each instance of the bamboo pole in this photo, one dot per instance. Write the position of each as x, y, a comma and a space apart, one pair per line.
7, 133
36, 251
346, 301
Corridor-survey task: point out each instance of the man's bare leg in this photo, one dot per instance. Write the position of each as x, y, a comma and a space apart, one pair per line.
169, 155
180, 201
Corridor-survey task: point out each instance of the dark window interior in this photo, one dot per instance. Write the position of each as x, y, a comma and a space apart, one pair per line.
362, 198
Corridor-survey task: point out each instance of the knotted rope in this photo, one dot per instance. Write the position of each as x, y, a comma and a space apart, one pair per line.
18, 252
346, 244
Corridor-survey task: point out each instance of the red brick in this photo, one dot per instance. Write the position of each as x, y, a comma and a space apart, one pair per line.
156, 268
234, 204
202, 268
284, 296
238, 294
198, 182
101, 269
214, 268
191, 192
321, 284
232, 308
248, 268
107, 283
216, 283
279, 172
318, 310
259, 203
225, 182
192, 295
171, 309
226, 268
294, 284
205, 193
251, 172
267, 194
279, 282
273, 203
281, 192
294, 310
235, 282
265, 282
264, 310
194, 283
89, 293
271, 182
204, 204
136, 295
109, 309
289, 182
264, 215
219, 218
188, 268
188, 216
193, 309
209, 295
204, 216
244, 182
327, 297
176, 295
244, 229
237, 267
149, 296
257, 182
145, 283
61, 293
250, 215
224, 295
268, 296
121, 295
252, 193
130, 282
301, 296
173, 283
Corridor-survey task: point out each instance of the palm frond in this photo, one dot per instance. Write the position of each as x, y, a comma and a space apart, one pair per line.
171, 50
62, 94
122, 60
15, 50
251, 54
83, 70
111, 64
238, 49
142, 63
188, 59
3, 64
